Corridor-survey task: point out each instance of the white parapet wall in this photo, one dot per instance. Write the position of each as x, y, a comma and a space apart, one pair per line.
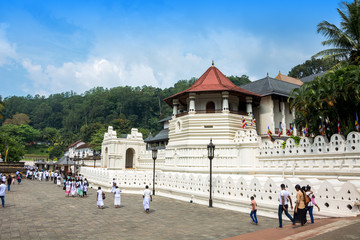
335, 198
244, 167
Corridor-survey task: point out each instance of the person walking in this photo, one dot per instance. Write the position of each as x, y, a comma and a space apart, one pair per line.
9, 181
19, 176
311, 203
300, 210
147, 198
253, 211
100, 196
2, 193
117, 197
283, 204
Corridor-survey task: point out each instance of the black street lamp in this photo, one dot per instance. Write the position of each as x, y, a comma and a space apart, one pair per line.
154, 156
67, 165
210, 148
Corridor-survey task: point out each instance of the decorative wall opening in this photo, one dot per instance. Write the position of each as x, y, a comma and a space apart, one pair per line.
129, 158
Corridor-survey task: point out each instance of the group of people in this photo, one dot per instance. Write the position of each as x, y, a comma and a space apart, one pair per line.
100, 196
305, 202
42, 175
9, 180
75, 186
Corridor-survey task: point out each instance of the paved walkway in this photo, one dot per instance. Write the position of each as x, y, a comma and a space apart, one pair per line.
37, 210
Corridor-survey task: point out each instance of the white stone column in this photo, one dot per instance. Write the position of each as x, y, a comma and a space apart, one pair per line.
175, 107
192, 103
283, 119
225, 97
294, 128
272, 116
249, 106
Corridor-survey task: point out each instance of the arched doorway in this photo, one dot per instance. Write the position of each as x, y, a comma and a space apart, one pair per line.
210, 107
129, 158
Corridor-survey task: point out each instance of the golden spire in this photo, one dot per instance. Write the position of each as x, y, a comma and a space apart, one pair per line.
212, 64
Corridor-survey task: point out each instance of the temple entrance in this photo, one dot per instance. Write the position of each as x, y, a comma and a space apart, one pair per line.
130, 158
210, 107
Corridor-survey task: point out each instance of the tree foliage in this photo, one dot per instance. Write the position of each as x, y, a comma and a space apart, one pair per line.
345, 39
312, 66
238, 81
335, 97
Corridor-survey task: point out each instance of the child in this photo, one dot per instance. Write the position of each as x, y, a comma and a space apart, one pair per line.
253, 211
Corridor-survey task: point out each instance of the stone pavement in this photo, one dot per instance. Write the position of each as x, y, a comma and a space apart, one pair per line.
40, 210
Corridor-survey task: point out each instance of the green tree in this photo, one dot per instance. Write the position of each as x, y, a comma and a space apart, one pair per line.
346, 39
335, 97
87, 131
16, 149
51, 135
18, 119
96, 140
238, 81
312, 66
56, 151
23, 133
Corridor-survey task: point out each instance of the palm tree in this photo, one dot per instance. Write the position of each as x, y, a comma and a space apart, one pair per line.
346, 39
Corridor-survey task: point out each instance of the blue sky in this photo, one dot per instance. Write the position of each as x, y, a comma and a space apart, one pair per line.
49, 47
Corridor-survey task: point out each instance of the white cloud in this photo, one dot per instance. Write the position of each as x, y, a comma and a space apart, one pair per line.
163, 62
7, 50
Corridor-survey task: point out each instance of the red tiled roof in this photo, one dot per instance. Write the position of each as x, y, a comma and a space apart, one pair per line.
85, 145
212, 80
73, 145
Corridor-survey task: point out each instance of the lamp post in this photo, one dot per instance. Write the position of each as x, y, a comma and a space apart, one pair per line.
154, 156
210, 148
67, 165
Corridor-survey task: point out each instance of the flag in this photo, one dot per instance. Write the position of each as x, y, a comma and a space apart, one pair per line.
305, 131
253, 121
357, 123
269, 132
6, 153
288, 132
280, 130
243, 123
339, 130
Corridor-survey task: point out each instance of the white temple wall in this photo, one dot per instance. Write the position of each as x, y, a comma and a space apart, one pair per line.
335, 198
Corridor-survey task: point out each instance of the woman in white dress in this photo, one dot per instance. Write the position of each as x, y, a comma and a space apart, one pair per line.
73, 189
117, 197
146, 199
58, 180
100, 198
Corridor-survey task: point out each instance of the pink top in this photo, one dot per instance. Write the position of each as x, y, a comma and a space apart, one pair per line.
253, 204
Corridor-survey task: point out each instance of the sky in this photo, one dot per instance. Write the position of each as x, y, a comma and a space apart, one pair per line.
49, 47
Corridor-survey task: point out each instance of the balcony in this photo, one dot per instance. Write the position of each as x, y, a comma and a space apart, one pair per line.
212, 111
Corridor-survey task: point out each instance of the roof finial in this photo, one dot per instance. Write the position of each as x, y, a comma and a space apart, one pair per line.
267, 74
212, 64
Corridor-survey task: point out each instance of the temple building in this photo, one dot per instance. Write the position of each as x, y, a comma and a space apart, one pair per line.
245, 162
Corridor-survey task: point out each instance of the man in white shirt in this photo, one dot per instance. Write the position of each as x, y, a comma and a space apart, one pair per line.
283, 205
2, 193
